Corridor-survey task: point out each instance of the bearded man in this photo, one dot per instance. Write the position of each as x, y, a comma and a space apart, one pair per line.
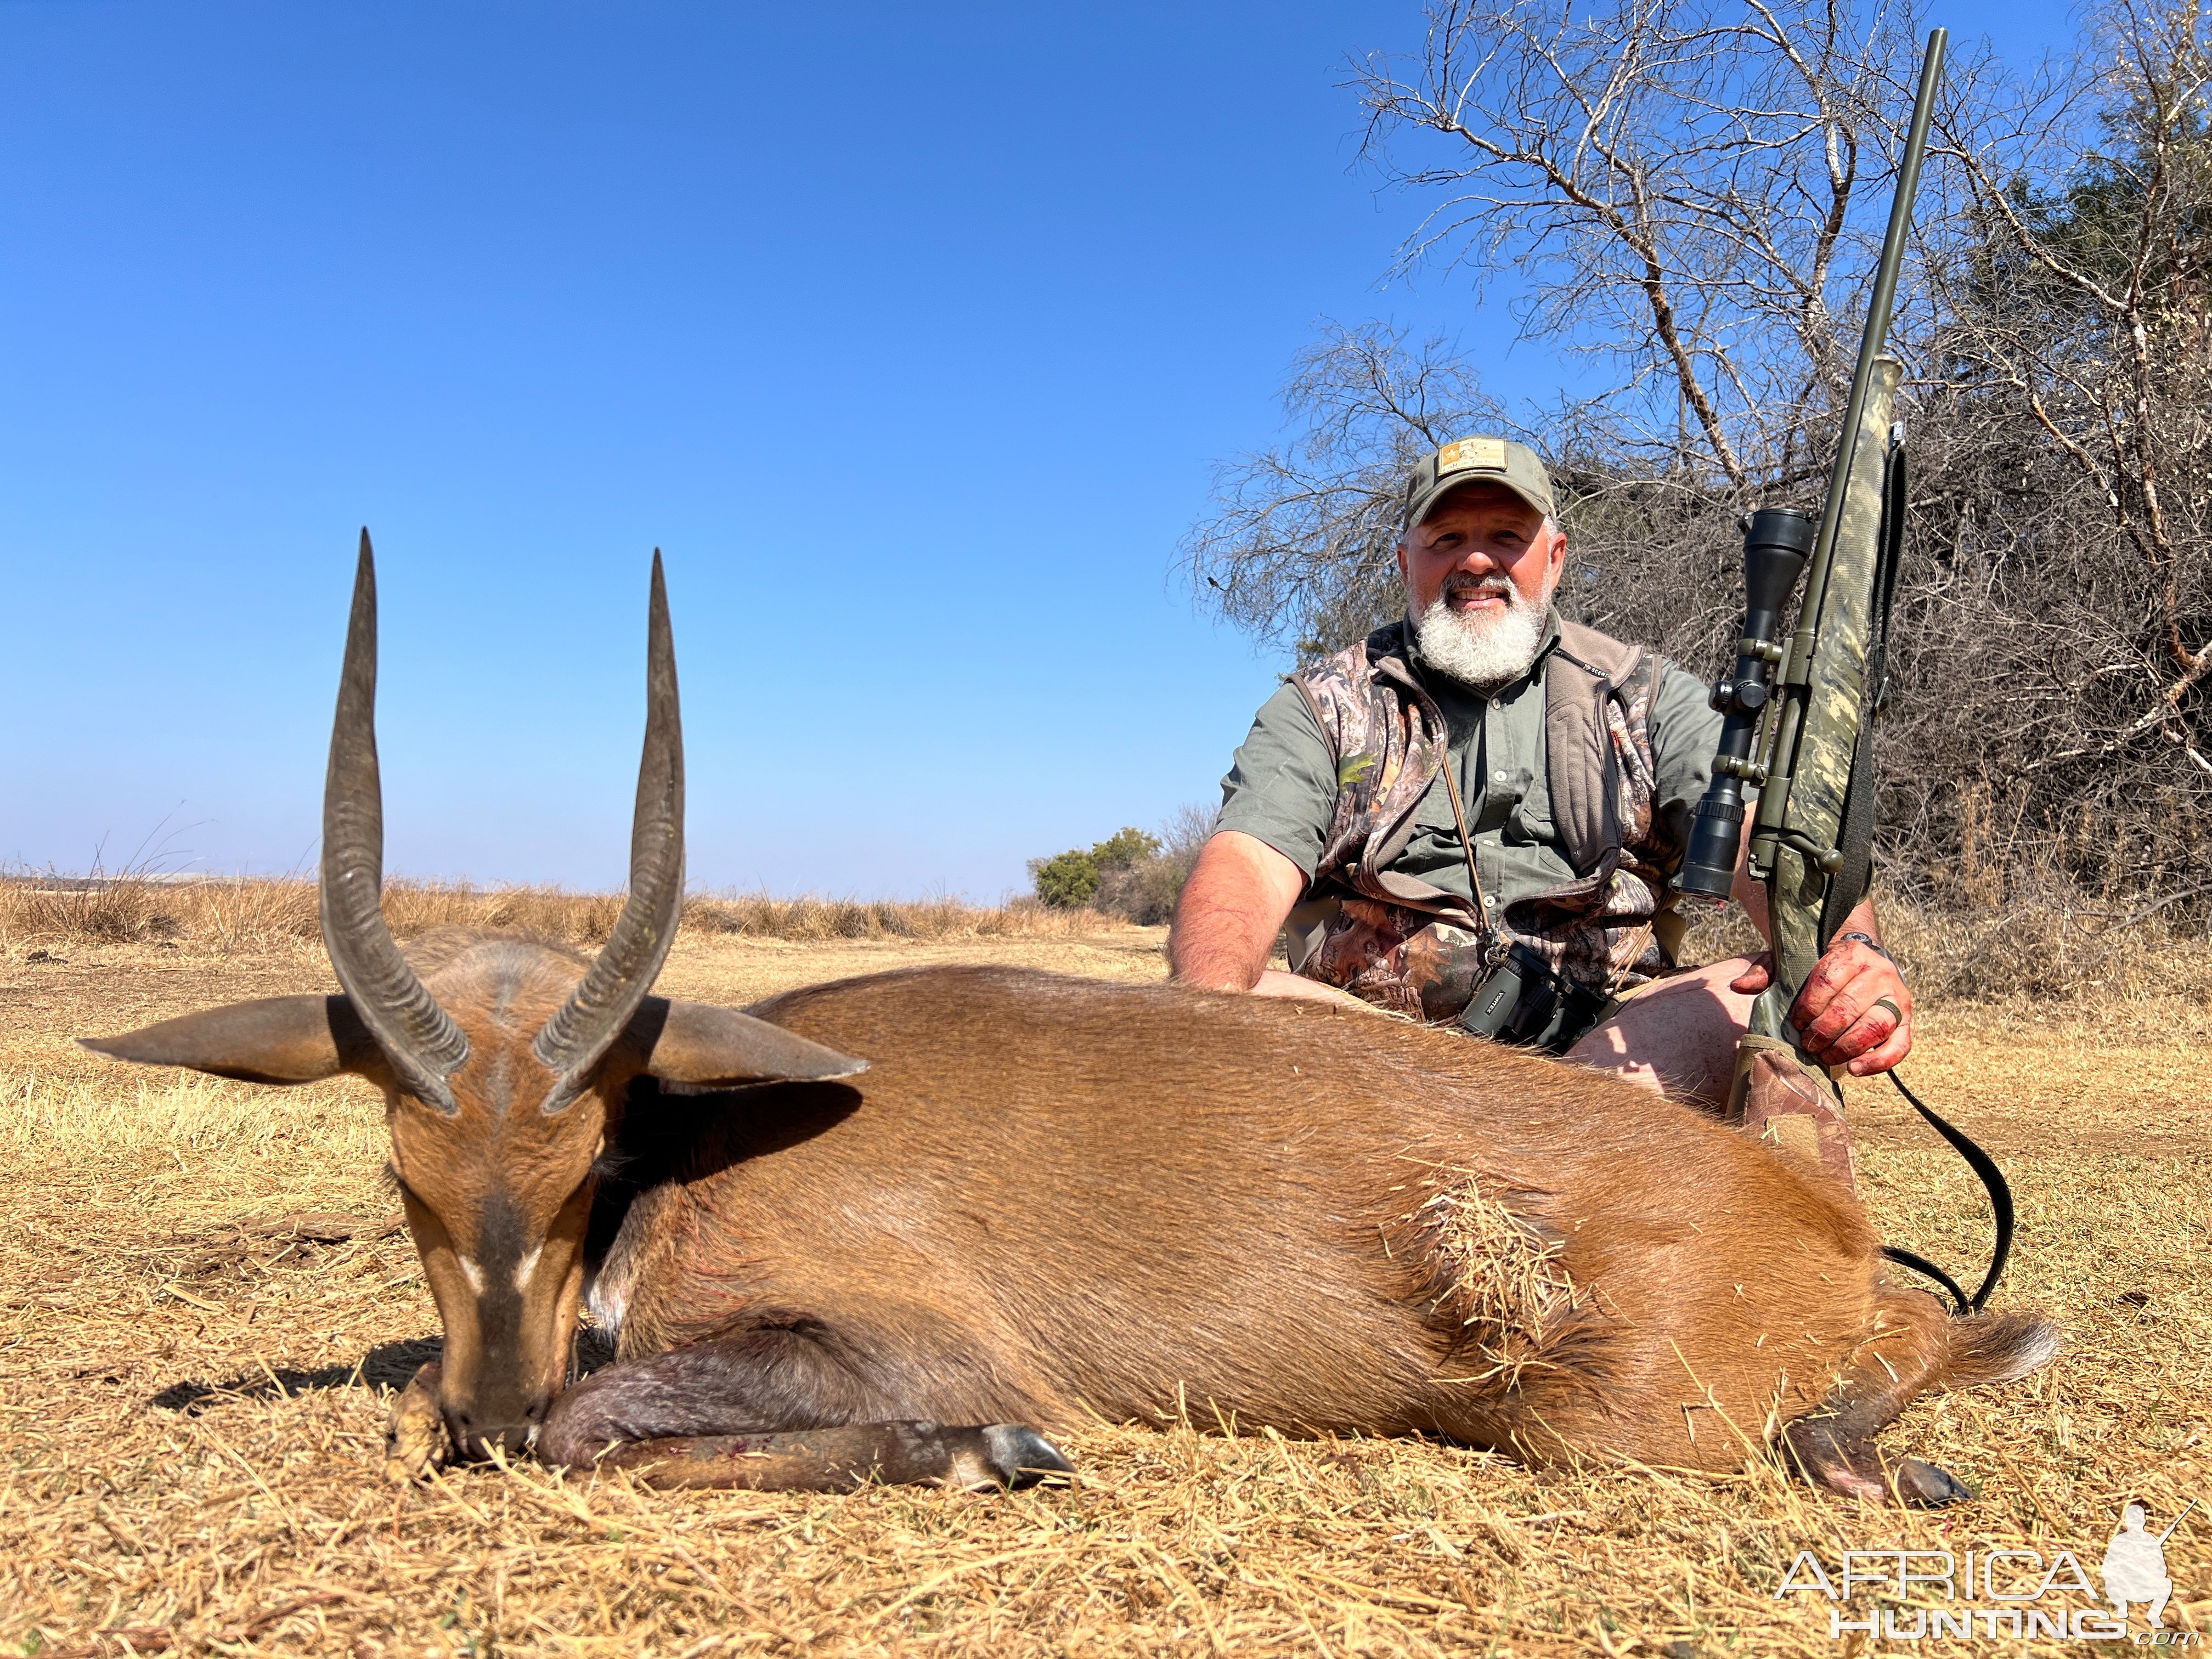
1475, 816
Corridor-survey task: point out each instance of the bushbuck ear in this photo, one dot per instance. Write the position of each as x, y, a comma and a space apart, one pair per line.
274, 1040
697, 1045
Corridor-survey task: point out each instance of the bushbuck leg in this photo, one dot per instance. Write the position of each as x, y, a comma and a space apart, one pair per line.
415, 1440
768, 1410
1915, 1345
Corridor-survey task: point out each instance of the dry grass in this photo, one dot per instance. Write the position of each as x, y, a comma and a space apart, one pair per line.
193, 1380
2033, 940
227, 916
2042, 942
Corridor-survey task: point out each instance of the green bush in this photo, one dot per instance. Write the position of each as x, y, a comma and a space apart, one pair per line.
1066, 881
1125, 845
1072, 878
1129, 874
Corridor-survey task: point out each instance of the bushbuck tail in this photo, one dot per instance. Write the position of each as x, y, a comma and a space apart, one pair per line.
1038, 1198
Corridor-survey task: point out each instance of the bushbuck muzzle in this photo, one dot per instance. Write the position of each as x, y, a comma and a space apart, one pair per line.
508, 1302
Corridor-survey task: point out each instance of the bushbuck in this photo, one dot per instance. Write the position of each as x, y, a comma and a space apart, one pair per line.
893, 1228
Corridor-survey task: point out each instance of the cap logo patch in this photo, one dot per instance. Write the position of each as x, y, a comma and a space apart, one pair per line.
1471, 451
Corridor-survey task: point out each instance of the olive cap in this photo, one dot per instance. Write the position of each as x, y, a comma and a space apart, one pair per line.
1478, 460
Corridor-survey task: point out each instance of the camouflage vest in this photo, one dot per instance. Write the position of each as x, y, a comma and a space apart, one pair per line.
1395, 940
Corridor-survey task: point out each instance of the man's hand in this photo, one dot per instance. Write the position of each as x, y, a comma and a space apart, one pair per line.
1853, 1008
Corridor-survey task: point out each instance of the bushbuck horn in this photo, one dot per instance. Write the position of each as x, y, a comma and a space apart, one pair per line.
420, 1039
572, 1041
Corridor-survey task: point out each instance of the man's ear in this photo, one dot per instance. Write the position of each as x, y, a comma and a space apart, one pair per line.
696, 1045
275, 1040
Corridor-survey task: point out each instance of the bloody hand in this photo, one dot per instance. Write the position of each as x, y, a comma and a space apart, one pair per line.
1854, 1007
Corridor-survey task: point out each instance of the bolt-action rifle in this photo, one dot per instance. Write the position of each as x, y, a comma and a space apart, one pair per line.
1797, 718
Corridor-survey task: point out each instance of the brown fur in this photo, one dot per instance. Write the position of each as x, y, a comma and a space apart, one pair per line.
1049, 1196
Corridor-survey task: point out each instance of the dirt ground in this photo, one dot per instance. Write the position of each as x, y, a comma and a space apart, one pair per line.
204, 1302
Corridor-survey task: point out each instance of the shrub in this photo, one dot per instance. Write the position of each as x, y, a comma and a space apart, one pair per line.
1074, 878
1132, 875
1066, 881
1124, 846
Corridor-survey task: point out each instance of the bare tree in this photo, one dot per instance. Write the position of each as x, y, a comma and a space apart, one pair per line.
1675, 184
2086, 293
1691, 192
1300, 546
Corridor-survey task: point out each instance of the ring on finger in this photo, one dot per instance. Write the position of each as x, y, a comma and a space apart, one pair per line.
1895, 1012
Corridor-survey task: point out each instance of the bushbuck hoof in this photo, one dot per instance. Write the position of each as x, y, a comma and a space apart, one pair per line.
1014, 1456
416, 1440
1923, 1487
1860, 1471
1910, 1482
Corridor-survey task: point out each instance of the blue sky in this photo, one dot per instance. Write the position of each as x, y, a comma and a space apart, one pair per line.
910, 334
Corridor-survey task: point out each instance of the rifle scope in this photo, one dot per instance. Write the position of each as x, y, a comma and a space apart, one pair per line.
1776, 543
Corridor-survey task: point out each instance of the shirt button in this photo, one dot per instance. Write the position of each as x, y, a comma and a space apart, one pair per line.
1490, 900
1498, 777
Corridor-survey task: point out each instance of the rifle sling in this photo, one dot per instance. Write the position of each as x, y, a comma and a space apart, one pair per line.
1993, 1182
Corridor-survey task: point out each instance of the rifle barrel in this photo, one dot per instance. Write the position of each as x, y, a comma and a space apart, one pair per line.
1796, 668
2177, 1521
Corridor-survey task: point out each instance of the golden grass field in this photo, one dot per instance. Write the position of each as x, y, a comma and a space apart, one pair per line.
206, 1306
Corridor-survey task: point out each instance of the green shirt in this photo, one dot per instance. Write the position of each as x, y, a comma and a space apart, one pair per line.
1281, 788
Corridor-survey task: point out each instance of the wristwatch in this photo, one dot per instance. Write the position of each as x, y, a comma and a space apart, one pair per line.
1869, 941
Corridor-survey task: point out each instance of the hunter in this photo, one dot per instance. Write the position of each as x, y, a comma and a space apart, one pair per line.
1475, 816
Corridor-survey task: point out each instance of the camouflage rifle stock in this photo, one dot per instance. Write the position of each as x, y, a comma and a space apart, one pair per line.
1795, 723
1797, 720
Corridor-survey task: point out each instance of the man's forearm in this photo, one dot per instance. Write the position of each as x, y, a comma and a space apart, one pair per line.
1231, 911
1217, 950
1861, 921
1752, 895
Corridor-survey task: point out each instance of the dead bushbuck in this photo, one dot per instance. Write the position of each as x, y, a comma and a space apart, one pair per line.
1038, 1197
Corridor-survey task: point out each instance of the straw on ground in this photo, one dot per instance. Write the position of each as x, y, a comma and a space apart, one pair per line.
205, 1309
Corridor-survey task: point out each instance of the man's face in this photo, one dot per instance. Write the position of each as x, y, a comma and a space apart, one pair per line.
1478, 536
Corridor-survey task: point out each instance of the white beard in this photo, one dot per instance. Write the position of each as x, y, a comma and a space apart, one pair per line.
1480, 652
